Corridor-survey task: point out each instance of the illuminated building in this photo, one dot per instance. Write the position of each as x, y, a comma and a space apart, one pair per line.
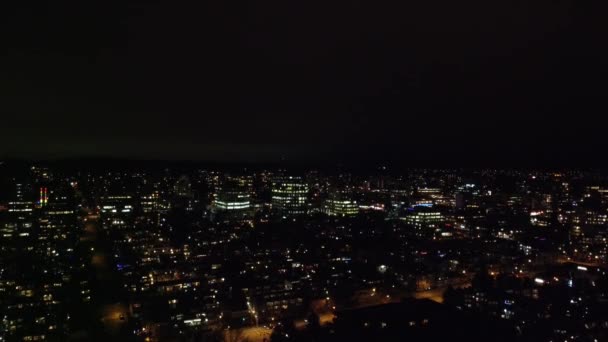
232, 200
339, 204
183, 196
183, 187
539, 218
43, 200
38, 235
429, 192
149, 203
21, 191
41, 174
273, 300
232, 197
57, 218
425, 221
117, 210
153, 203
289, 195
20, 207
245, 183
600, 190
20, 220
465, 196
423, 218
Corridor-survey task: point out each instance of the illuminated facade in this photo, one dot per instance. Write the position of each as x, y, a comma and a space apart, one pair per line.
339, 204
426, 221
20, 220
43, 200
153, 202
232, 196
289, 195
117, 211
183, 187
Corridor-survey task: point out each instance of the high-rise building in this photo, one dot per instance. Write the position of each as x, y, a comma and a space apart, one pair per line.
117, 211
183, 187
426, 221
43, 199
19, 219
41, 174
340, 204
233, 197
289, 195
154, 203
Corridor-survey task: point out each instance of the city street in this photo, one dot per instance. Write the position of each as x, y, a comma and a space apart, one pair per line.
249, 334
113, 313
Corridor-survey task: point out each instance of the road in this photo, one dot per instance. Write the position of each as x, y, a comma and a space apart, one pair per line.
435, 295
564, 260
373, 298
106, 289
250, 334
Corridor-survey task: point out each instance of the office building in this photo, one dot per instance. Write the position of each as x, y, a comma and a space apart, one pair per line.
289, 195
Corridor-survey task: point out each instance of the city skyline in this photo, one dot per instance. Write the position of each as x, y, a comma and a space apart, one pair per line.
288, 171
156, 252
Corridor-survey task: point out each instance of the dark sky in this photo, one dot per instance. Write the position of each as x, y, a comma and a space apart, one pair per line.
437, 81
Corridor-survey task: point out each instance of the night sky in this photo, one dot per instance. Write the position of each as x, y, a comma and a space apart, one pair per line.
509, 83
